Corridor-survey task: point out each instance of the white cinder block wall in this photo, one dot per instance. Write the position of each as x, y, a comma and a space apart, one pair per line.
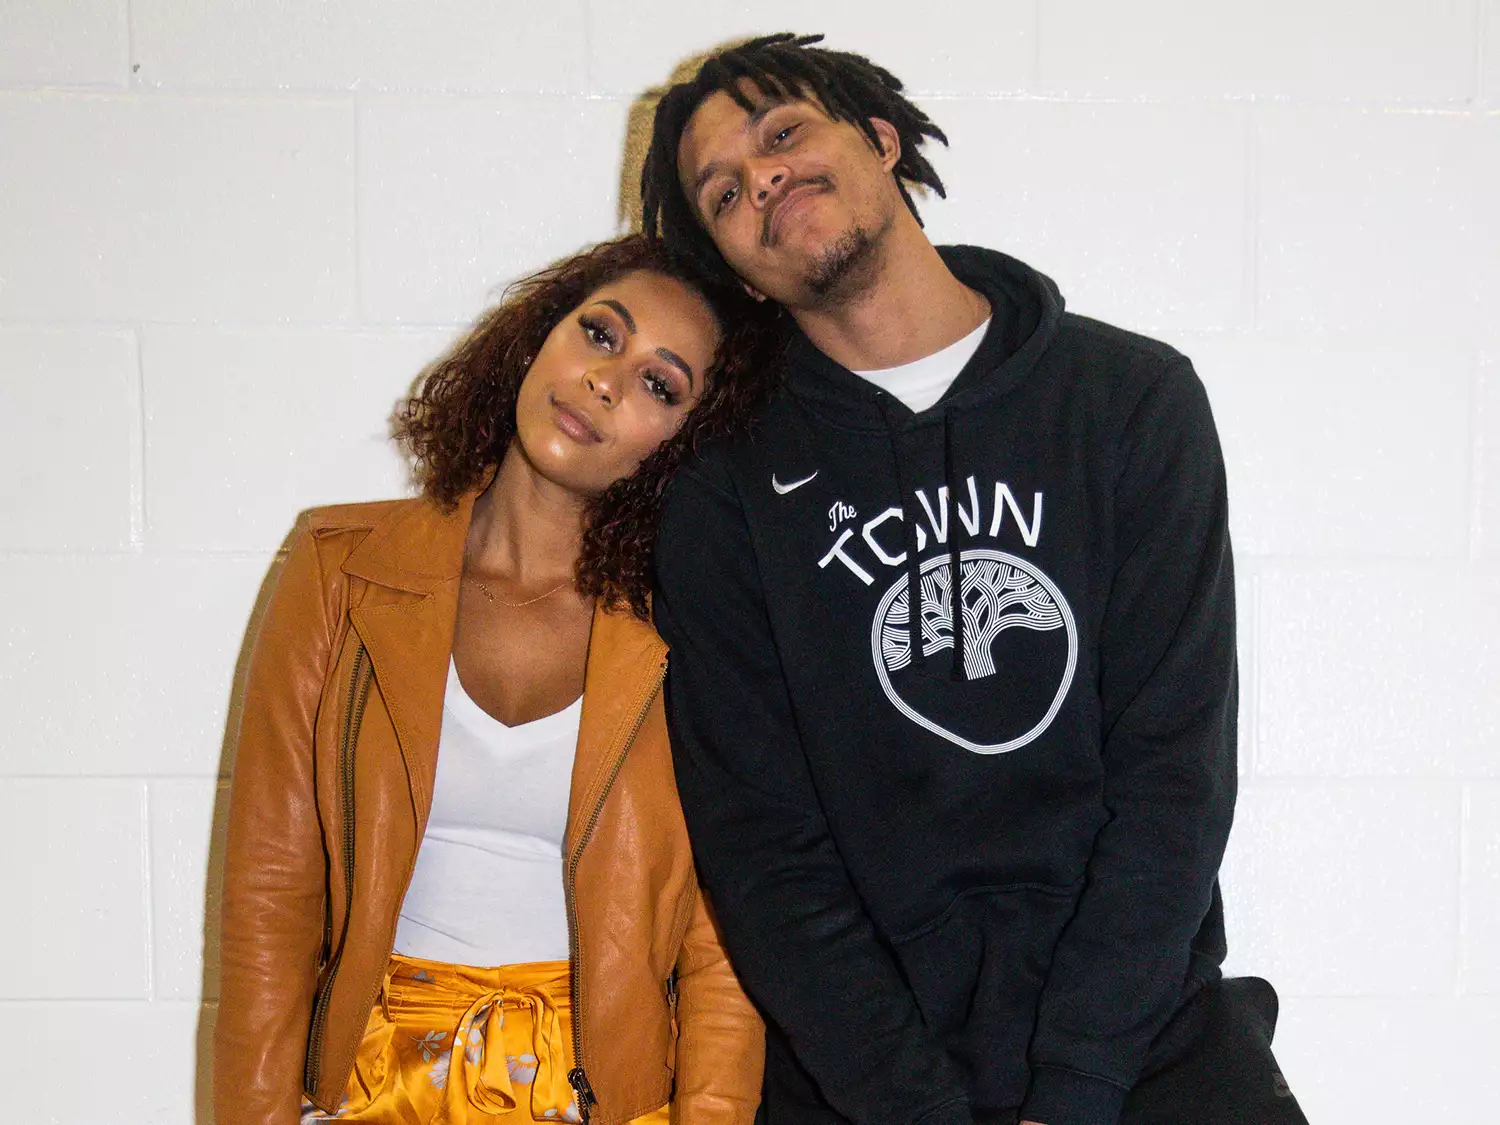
232, 231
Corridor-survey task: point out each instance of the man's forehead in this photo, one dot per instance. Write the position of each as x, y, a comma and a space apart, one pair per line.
722, 112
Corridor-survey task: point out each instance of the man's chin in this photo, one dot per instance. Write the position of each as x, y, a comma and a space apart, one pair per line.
820, 271
843, 268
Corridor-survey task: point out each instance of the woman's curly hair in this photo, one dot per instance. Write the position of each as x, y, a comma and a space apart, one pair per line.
460, 421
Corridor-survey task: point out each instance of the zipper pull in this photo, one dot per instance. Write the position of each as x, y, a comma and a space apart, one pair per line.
672, 989
580, 1083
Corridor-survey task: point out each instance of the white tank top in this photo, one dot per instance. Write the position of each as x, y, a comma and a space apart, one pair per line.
922, 382
488, 884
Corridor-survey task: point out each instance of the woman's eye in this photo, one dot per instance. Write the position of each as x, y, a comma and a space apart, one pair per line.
660, 388
783, 135
597, 333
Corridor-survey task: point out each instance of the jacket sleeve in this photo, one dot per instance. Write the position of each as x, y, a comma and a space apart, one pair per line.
721, 1043
1168, 698
799, 936
273, 902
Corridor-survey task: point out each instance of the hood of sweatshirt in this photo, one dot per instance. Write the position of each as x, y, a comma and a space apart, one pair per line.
1025, 310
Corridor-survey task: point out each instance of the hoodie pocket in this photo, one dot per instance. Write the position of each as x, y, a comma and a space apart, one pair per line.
977, 971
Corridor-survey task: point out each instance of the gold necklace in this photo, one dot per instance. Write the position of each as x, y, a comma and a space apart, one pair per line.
485, 590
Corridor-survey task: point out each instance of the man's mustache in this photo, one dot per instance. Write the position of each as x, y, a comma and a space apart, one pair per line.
765, 223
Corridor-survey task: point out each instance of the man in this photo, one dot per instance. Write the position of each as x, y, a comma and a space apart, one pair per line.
965, 861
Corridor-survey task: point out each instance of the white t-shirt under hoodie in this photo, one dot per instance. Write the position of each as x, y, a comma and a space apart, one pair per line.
487, 888
922, 382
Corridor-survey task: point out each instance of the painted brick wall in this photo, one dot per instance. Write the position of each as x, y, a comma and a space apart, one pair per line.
231, 232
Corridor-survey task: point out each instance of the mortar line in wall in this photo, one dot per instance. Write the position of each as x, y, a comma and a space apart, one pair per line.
359, 280
1481, 49
144, 778
1253, 765
150, 912
165, 554
411, 327
137, 444
588, 49
1478, 408
1034, 79
1252, 213
130, 64
1465, 811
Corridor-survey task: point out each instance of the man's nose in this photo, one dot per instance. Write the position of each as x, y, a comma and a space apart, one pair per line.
767, 180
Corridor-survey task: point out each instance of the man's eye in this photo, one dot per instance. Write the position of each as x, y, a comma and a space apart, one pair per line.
783, 135
725, 200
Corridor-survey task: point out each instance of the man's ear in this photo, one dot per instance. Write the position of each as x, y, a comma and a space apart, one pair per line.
890, 142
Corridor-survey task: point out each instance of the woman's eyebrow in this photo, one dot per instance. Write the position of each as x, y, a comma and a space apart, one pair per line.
665, 353
678, 362
610, 302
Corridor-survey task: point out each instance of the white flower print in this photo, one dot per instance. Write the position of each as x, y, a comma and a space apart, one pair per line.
431, 1044
439, 1074
522, 1068
471, 1035
311, 1114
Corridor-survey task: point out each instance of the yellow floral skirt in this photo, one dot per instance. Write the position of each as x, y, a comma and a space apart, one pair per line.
456, 1045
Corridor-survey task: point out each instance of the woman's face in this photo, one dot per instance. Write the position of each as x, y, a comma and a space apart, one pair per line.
615, 379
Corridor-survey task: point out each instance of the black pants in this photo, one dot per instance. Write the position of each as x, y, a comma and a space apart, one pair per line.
1226, 1075
1212, 1065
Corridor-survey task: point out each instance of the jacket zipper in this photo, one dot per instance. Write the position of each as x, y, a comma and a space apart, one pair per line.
577, 1078
360, 680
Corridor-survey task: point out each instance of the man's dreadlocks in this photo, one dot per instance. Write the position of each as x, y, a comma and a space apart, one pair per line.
849, 87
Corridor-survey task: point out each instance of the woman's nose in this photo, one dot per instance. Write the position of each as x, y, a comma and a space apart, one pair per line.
603, 385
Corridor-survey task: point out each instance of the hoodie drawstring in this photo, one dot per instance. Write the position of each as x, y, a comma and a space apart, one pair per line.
909, 532
959, 670
955, 557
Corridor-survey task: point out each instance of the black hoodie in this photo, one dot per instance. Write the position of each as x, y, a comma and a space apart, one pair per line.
962, 876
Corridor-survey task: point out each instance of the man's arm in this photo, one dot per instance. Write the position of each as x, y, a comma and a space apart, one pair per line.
799, 936
1168, 702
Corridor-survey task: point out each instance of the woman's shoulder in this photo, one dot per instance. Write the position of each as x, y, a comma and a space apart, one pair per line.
365, 515
335, 533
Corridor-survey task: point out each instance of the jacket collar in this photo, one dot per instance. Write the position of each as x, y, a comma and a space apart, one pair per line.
419, 549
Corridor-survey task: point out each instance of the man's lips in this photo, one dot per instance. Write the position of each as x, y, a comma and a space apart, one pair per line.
574, 422
794, 195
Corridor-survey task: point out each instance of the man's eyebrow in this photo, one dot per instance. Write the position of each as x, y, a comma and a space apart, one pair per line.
629, 320
678, 362
754, 118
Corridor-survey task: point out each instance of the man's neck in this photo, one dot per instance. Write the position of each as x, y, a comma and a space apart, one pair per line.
913, 308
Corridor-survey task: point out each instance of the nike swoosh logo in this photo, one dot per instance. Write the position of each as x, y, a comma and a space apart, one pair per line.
783, 489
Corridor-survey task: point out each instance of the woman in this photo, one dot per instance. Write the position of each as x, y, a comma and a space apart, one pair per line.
453, 754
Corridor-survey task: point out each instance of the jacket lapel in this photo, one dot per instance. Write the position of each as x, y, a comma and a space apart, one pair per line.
624, 671
416, 558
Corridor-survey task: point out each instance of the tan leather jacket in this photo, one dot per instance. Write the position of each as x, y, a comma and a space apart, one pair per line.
332, 788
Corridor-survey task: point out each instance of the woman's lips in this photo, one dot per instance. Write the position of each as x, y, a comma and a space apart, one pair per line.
574, 422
